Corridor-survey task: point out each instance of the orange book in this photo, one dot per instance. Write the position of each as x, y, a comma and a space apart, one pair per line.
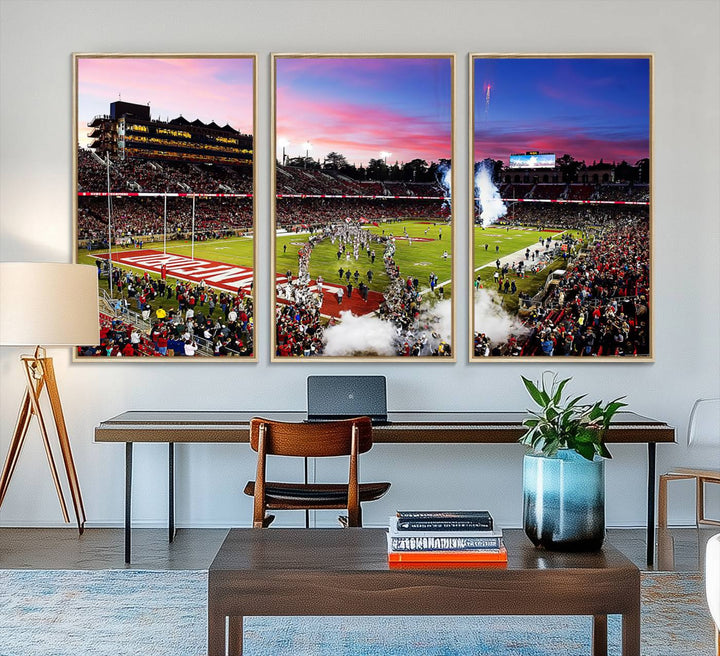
450, 557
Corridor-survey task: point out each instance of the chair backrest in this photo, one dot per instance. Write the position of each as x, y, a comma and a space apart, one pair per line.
704, 423
313, 439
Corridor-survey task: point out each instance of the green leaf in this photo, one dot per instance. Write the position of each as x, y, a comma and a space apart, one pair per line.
610, 410
534, 392
558, 393
573, 424
585, 436
577, 399
595, 412
586, 451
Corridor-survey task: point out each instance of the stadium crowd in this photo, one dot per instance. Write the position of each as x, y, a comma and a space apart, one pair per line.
179, 319
599, 307
297, 180
315, 213
143, 217
299, 326
156, 176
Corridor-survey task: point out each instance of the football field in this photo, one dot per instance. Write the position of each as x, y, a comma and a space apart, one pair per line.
508, 244
233, 251
418, 253
421, 248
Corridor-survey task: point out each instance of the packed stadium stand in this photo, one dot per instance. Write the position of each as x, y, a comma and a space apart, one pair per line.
317, 212
297, 180
135, 217
580, 191
143, 175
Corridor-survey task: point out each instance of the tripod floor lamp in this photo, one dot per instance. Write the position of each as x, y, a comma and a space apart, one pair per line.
51, 305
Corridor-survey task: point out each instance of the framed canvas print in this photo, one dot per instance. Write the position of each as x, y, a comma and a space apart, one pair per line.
362, 214
164, 203
561, 203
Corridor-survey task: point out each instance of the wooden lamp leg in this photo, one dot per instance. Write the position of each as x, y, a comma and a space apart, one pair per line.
34, 389
15, 444
39, 374
64, 440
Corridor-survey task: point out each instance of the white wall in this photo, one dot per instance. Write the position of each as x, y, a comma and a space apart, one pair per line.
37, 38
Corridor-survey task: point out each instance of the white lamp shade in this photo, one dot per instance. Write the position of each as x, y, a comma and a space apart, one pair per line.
48, 304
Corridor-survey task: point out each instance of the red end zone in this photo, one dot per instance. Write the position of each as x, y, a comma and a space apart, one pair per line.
215, 274
230, 278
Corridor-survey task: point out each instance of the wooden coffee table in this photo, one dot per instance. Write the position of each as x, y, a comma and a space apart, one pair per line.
275, 572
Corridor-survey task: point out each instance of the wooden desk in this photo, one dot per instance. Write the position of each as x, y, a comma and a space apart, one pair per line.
277, 572
207, 426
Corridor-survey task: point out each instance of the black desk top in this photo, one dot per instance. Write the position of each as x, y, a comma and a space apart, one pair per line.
403, 426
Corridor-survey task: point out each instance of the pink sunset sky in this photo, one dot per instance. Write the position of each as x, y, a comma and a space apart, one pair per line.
216, 89
362, 107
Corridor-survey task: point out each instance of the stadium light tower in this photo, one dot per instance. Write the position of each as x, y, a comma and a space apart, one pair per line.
307, 147
384, 155
283, 143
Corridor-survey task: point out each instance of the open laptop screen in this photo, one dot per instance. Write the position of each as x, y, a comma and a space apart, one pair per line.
340, 397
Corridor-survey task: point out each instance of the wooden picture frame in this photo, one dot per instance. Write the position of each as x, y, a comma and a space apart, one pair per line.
362, 174
561, 207
164, 187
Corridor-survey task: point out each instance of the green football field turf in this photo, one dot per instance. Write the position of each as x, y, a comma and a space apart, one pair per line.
509, 241
233, 250
419, 259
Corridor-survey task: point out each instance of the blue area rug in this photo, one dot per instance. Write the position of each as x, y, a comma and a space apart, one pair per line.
135, 612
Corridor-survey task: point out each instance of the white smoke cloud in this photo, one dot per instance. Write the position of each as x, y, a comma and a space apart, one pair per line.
493, 320
439, 320
491, 205
445, 179
367, 335
364, 335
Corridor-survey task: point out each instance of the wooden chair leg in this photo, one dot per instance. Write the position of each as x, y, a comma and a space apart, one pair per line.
662, 501
699, 501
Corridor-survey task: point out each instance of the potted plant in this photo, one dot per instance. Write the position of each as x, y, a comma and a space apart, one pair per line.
564, 468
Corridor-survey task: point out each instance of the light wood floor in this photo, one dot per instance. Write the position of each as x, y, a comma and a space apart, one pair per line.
680, 549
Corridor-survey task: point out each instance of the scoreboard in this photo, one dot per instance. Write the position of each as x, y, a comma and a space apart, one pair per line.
532, 159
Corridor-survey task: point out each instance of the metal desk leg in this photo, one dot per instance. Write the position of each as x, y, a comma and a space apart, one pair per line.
171, 491
128, 497
651, 505
307, 512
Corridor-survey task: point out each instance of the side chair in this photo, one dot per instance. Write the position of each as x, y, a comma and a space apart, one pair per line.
348, 437
703, 430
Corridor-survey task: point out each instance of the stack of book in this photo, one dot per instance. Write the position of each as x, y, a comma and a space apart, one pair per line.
438, 537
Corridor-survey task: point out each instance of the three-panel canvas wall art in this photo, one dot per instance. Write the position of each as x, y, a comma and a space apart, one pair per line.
365, 226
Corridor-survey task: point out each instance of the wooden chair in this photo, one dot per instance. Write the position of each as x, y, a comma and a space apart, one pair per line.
349, 437
703, 429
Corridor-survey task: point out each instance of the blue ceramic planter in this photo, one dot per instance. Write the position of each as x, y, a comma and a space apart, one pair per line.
564, 501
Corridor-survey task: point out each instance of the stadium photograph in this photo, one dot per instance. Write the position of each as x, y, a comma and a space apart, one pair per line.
363, 254
165, 202
561, 248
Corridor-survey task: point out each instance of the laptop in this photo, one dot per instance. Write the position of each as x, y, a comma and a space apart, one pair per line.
330, 398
